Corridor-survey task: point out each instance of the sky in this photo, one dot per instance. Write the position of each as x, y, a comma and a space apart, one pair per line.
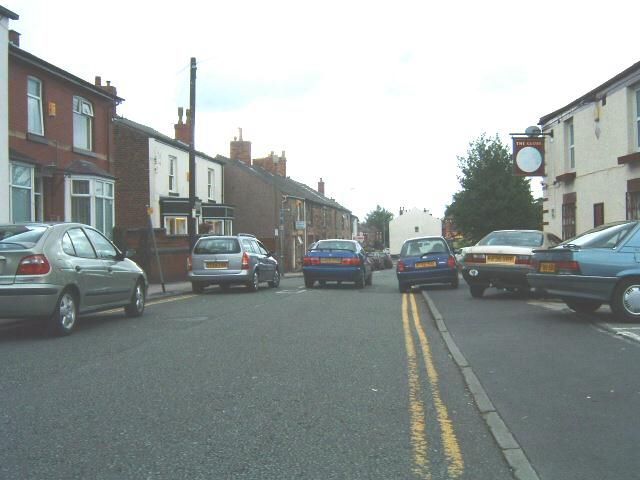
379, 99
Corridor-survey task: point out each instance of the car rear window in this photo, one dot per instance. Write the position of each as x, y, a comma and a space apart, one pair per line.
605, 236
21, 235
423, 246
334, 245
217, 245
513, 239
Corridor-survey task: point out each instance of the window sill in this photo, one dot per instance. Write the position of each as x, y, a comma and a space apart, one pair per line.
631, 158
34, 137
566, 177
86, 153
174, 194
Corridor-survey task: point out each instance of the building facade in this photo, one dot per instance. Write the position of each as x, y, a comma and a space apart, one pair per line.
60, 151
409, 224
592, 147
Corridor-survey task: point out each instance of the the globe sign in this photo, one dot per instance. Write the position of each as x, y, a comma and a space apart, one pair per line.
529, 159
528, 154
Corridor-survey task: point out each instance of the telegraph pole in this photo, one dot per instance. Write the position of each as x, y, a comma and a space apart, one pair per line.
191, 224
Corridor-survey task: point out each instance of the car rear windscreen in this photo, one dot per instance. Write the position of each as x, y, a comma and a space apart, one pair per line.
20, 235
423, 246
217, 245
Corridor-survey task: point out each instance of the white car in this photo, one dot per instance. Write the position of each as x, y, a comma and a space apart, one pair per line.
502, 259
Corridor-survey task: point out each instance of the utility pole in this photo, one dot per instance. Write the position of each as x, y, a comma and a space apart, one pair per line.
191, 224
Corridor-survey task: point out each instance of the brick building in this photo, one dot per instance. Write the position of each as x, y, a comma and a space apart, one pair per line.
286, 215
60, 151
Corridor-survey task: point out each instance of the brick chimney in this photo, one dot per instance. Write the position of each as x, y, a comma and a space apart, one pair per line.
321, 187
273, 163
107, 88
14, 38
183, 130
240, 150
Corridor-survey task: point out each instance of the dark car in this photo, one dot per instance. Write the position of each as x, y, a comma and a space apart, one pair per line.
57, 271
600, 266
337, 260
426, 260
231, 259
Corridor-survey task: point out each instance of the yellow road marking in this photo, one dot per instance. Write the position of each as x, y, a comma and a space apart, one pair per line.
416, 407
455, 464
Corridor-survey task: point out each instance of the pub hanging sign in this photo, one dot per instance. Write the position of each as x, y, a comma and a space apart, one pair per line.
528, 156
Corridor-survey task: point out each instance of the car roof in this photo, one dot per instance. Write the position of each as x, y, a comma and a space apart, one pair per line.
426, 237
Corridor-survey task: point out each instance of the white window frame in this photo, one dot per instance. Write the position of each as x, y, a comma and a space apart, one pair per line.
637, 119
93, 197
37, 99
211, 178
173, 166
571, 147
175, 224
82, 115
34, 186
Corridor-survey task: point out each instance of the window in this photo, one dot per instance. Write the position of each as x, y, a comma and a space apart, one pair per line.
416, 229
103, 247
568, 220
81, 243
571, 153
82, 124
175, 225
638, 118
35, 122
26, 198
91, 203
598, 214
633, 205
211, 178
173, 186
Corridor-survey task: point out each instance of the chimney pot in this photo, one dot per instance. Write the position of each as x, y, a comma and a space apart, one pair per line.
14, 38
98, 81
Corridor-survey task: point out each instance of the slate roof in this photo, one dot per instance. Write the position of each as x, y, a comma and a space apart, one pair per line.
286, 185
84, 167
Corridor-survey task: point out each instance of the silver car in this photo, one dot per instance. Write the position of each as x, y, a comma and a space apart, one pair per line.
231, 259
58, 271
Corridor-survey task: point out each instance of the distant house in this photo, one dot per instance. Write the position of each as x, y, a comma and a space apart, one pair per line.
5, 16
286, 215
60, 152
409, 224
592, 164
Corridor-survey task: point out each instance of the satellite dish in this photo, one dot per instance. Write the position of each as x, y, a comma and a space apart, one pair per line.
533, 131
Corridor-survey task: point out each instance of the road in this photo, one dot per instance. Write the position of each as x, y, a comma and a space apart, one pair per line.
327, 383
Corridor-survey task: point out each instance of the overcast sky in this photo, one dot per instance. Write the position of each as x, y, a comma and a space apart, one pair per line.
377, 98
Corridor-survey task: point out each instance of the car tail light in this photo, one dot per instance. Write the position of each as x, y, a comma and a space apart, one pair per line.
34, 265
189, 264
523, 260
475, 258
567, 267
245, 261
451, 261
351, 261
306, 260
400, 266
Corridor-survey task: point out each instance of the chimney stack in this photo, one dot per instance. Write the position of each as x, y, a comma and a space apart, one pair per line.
240, 150
273, 164
183, 129
321, 187
14, 38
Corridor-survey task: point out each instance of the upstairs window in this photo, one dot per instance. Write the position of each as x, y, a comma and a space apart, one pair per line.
35, 122
211, 178
173, 187
82, 124
638, 118
571, 153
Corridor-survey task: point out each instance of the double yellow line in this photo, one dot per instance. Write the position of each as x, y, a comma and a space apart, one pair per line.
419, 440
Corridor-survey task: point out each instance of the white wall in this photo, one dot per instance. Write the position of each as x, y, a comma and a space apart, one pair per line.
598, 144
404, 226
4, 120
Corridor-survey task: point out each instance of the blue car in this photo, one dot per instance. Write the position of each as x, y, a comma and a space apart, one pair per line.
337, 260
426, 260
600, 266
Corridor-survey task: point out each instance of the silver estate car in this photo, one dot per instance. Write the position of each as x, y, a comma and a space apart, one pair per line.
58, 271
231, 259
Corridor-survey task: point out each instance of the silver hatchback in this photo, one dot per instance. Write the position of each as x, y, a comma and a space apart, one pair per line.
57, 271
232, 259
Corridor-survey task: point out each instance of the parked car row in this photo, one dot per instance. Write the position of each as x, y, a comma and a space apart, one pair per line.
381, 260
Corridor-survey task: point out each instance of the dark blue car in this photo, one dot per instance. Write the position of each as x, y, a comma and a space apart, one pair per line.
337, 260
426, 260
600, 266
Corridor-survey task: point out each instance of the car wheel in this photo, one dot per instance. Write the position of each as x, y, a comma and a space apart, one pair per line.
136, 305
477, 291
360, 280
225, 286
369, 279
276, 280
197, 287
403, 287
308, 282
626, 300
583, 306
455, 282
63, 319
254, 283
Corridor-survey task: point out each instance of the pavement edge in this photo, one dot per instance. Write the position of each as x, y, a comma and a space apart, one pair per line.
511, 450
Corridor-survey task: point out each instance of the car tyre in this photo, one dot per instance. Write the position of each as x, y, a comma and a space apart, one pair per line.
254, 283
275, 283
197, 287
477, 291
582, 306
63, 319
308, 282
369, 279
404, 287
455, 282
625, 302
137, 302
360, 281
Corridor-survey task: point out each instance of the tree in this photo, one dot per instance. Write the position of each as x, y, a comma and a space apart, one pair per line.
379, 219
492, 197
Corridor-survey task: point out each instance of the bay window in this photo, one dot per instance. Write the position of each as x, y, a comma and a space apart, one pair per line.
91, 202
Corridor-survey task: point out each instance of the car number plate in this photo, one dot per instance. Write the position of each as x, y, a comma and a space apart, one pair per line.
430, 264
330, 260
547, 267
215, 264
501, 259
